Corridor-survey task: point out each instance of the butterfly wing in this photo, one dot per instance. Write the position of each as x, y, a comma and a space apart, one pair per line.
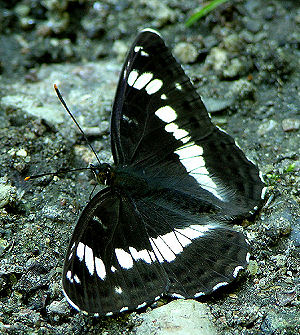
126, 253
159, 124
133, 243
99, 274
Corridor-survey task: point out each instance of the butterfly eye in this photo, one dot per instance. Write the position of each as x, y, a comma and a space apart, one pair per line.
103, 173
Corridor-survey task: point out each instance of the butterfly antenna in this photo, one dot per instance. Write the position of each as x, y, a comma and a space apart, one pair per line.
54, 173
75, 121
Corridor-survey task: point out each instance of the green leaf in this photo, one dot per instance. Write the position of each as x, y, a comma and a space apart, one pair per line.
290, 168
203, 11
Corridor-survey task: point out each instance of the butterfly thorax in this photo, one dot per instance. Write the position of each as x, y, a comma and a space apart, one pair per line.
121, 177
131, 180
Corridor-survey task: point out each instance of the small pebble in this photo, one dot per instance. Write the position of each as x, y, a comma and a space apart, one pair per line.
232, 42
266, 127
58, 307
7, 192
290, 124
185, 52
21, 153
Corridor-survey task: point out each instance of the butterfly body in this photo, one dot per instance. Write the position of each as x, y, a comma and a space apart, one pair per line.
162, 224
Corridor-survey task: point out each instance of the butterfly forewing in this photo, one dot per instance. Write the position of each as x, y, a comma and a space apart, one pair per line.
163, 225
153, 90
160, 123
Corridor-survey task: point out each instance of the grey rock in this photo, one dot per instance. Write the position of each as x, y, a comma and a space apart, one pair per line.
232, 42
280, 323
58, 307
180, 317
242, 89
234, 69
7, 192
185, 52
217, 105
252, 25
30, 105
217, 59
266, 127
290, 124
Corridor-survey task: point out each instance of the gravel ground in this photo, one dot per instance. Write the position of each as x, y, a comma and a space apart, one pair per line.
244, 61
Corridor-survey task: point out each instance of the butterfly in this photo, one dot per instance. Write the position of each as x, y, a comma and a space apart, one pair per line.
163, 224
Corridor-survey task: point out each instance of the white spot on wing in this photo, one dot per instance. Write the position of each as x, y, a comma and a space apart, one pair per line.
166, 114
69, 276
194, 231
143, 80
113, 269
124, 258
190, 150
157, 252
77, 280
163, 97
124, 309
151, 31
248, 257
179, 134
167, 247
178, 86
154, 86
137, 48
145, 255
118, 289
183, 240
237, 270
80, 251
100, 268
89, 259
224, 283
109, 314
95, 218
132, 77
191, 157
162, 251
199, 294
141, 305
170, 239
263, 193
176, 295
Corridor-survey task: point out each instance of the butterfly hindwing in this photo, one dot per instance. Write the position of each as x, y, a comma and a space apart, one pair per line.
198, 250
125, 253
108, 266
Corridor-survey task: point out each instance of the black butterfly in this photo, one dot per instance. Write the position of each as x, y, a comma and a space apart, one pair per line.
161, 227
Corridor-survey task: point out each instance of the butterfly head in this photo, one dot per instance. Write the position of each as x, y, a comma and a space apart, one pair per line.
103, 173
